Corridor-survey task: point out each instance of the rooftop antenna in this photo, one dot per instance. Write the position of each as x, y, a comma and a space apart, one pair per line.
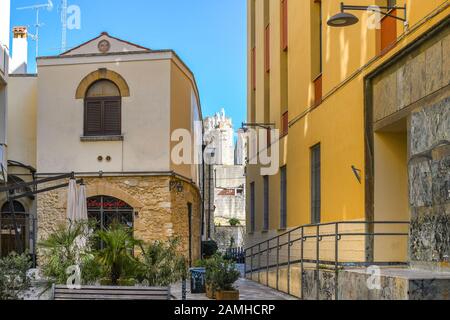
64, 25
37, 8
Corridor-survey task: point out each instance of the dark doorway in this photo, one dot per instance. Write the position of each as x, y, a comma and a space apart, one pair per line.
190, 233
9, 232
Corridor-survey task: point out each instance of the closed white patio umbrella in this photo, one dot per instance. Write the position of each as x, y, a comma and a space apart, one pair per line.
82, 214
72, 201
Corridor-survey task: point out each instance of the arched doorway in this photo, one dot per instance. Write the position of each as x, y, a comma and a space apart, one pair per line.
8, 231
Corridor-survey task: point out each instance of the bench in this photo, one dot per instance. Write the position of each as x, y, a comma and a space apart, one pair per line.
111, 293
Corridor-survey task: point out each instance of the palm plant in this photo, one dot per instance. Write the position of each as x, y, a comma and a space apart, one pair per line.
162, 264
117, 255
62, 250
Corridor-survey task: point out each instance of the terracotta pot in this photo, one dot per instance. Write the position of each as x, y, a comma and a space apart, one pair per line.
210, 292
227, 295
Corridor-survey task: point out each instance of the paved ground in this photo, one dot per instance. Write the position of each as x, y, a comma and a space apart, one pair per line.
248, 290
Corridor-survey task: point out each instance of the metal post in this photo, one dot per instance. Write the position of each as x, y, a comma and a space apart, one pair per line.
289, 265
267, 262
245, 263
336, 262
183, 290
301, 262
251, 264
278, 261
259, 263
318, 262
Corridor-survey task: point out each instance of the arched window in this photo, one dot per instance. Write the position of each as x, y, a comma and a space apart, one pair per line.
108, 210
13, 230
19, 209
102, 110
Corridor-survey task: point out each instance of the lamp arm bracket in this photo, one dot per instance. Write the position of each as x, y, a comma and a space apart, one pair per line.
345, 7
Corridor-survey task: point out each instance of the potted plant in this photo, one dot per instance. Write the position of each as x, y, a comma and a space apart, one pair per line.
225, 276
162, 264
234, 222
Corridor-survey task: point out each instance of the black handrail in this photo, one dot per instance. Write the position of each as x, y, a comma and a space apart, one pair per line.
265, 247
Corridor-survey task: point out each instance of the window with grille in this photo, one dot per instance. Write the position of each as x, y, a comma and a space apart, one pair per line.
315, 184
107, 211
284, 24
103, 110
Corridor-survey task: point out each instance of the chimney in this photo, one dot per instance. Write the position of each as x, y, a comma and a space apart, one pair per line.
19, 58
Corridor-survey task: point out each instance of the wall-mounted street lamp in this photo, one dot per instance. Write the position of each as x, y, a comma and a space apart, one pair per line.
344, 19
266, 126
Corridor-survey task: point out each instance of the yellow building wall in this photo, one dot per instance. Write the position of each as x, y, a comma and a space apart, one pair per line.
22, 108
349, 54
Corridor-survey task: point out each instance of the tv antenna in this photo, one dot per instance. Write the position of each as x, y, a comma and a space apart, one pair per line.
64, 25
37, 8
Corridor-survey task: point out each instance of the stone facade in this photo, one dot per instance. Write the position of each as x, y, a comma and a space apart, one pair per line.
416, 89
160, 209
430, 184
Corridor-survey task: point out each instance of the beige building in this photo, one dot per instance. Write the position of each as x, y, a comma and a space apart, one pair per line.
4, 59
106, 111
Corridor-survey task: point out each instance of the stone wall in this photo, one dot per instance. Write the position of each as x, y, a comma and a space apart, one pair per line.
223, 236
429, 172
417, 88
420, 74
229, 194
161, 209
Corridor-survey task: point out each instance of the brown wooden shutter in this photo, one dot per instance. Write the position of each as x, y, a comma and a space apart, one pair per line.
112, 117
284, 24
388, 32
285, 124
93, 118
254, 68
267, 48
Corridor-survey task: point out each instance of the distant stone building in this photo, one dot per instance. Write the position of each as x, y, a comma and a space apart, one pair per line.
226, 196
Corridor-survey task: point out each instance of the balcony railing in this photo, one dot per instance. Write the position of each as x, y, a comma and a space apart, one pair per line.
333, 246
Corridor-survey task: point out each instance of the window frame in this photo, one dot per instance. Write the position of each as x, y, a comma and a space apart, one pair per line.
252, 207
266, 200
316, 183
103, 132
283, 197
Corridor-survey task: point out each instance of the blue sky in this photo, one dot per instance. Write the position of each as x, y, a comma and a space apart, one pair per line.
209, 35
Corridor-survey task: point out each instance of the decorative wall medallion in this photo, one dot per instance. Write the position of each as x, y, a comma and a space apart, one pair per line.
104, 46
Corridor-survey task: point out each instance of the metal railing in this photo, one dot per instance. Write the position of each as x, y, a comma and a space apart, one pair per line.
236, 254
266, 256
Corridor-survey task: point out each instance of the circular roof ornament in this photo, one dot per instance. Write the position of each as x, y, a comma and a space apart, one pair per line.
104, 46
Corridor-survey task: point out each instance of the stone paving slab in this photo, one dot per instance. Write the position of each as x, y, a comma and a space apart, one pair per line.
248, 290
